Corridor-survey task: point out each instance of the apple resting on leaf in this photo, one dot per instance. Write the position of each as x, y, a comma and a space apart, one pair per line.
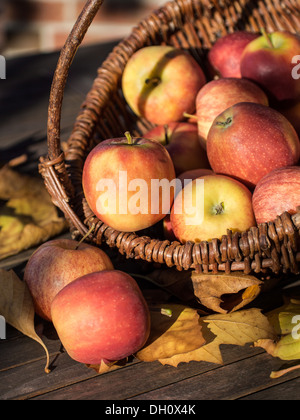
102, 316
161, 82
57, 263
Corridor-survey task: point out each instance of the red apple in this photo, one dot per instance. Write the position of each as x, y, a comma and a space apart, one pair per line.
277, 192
249, 140
182, 142
291, 110
161, 82
218, 95
268, 60
102, 316
57, 263
220, 202
225, 54
189, 176
119, 182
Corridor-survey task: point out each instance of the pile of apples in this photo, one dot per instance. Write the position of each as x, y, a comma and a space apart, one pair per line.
234, 129
235, 132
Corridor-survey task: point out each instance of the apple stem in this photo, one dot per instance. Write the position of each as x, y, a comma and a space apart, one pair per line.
166, 127
129, 137
187, 115
154, 81
85, 236
163, 311
266, 35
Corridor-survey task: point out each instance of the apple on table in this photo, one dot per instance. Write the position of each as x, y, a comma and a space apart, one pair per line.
160, 83
268, 61
182, 142
249, 140
226, 204
225, 55
276, 193
101, 316
217, 95
57, 263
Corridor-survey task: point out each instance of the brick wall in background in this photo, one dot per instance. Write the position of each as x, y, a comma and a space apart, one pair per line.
43, 25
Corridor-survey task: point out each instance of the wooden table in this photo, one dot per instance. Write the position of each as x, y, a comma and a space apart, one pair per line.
246, 371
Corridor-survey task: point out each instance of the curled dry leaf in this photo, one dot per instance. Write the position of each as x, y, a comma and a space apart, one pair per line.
224, 293
28, 217
171, 335
17, 307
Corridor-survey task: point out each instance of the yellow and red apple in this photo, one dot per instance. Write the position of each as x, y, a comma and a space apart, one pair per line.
182, 142
269, 61
57, 263
218, 95
119, 180
249, 140
161, 82
225, 54
277, 192
226, 204
102, 316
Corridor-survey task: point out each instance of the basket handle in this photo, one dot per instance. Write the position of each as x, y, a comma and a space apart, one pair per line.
67, 55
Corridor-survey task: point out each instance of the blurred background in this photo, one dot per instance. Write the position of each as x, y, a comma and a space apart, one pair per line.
32, 26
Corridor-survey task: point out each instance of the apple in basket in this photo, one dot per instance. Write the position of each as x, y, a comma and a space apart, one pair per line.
122, 182
102, 316
249, 140
182, 142
269, 61
161, 82
57, 263
218, 95
277, 192
210, 205
225, 54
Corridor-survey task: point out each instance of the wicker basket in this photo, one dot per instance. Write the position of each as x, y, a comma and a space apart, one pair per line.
189, 24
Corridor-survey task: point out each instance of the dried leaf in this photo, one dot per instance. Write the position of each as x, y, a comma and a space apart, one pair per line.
107, 367
284, 371
17, 307
170, 335
287, 348
242, 327
28, 216
224, 293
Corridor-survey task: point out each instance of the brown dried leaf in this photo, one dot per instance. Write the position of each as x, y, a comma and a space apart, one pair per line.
178, 334
225, 293
17, 307
28, 217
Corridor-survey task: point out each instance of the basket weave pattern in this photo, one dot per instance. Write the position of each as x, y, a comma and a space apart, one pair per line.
189, 24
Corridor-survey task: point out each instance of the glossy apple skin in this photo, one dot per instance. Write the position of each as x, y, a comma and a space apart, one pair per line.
218, 95
272, 68
102, 316
182, 142
144, 160
225, 54
249, 140
57, 263
277, 192
237, 214
160, 83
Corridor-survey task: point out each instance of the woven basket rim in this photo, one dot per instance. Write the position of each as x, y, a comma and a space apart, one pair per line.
272, 245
